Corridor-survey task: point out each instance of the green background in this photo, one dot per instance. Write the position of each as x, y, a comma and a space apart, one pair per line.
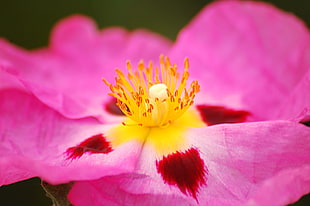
28, 23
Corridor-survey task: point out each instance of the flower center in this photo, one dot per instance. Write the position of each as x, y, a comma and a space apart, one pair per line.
153, 97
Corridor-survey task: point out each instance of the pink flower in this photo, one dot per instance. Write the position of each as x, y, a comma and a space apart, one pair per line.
252, 63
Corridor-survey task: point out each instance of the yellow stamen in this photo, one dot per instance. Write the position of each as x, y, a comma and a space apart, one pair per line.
153, 97
156, 102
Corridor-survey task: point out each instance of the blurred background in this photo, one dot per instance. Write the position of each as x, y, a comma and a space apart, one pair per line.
28, 24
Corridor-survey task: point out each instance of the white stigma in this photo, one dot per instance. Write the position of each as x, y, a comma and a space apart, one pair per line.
158, 91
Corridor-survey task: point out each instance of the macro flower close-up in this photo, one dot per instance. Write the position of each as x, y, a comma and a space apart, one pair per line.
220, 116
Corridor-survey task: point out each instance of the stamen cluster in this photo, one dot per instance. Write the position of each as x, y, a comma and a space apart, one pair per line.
132, 92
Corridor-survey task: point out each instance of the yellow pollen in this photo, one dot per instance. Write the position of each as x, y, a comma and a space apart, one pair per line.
153, 97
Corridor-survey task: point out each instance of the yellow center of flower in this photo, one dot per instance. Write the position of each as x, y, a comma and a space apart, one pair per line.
154, 97
156, 102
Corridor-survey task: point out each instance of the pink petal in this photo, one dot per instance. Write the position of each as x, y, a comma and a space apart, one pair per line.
67, 75
8, 77
34, 140
239, 50
289, 183
240, 157
107, 192
297, 105
9, 81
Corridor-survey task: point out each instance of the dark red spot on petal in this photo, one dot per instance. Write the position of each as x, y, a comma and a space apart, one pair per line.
94, 144
212, 115
112, 108
186, 170
307, 123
